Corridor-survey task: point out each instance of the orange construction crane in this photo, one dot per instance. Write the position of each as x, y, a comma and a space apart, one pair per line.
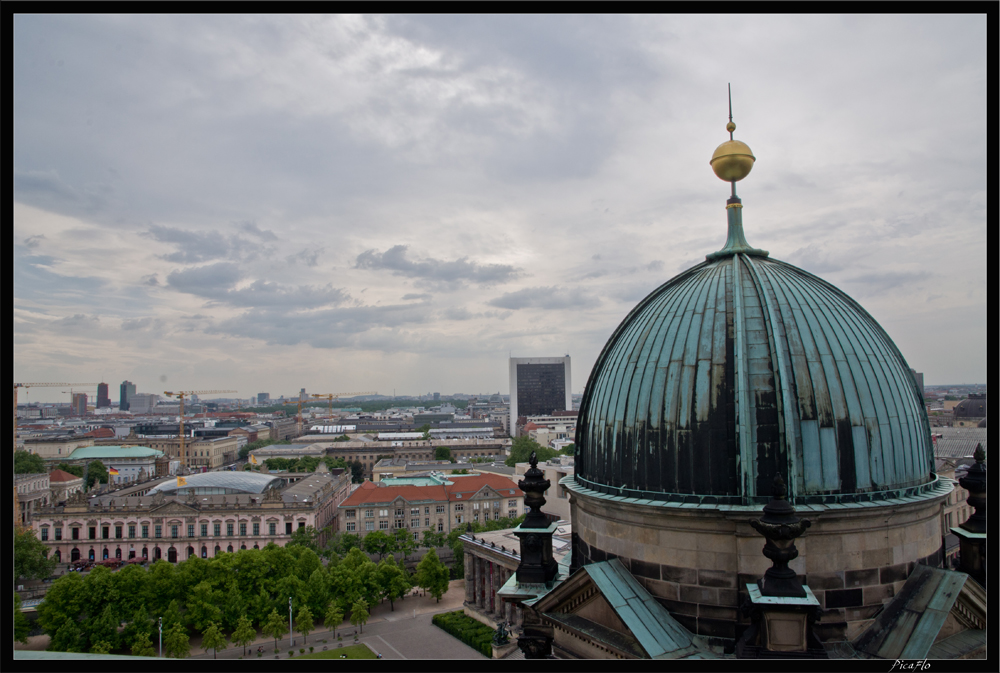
181, 395
330, 397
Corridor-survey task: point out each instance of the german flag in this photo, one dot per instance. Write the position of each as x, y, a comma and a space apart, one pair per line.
112, 470
181, 481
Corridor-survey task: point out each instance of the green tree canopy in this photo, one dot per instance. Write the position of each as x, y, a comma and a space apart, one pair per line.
393, 581
28, 463
443, 453
142, 646
520, 451
304, 620
432, 575
75, 470
334, 617
274, 626
176, 642
359, 614
101, 647
31, 556
405, 544
244, 633
96, 473
377, 542
22, 627
213, 637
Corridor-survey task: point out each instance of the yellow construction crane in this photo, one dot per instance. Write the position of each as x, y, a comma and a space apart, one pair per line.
181, 395
330, 397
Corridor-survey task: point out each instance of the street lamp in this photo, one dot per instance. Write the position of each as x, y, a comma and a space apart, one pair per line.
161, 637
291, 639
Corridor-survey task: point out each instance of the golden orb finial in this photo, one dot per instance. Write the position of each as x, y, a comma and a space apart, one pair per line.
732, 160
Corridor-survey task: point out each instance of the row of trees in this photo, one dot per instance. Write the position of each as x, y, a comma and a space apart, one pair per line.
81, 613
259, 444
521, 449
32, 463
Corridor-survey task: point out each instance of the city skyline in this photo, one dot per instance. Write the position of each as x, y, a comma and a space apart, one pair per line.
400, 203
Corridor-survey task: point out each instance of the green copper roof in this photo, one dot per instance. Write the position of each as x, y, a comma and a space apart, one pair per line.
741, 367
112, 452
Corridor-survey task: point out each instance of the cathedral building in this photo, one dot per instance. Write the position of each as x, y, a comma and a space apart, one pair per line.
742, 382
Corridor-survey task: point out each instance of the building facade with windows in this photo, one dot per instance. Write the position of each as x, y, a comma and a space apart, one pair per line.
205, 515
440, 507
539, 386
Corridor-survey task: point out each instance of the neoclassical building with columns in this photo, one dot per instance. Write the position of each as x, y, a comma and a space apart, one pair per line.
202, 515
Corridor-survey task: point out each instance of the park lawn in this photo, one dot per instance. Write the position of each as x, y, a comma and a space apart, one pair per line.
360, 651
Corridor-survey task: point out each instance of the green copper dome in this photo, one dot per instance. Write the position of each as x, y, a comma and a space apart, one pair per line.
742, 367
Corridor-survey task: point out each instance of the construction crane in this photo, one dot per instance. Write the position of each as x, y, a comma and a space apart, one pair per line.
41, 385
330, 396
180, 395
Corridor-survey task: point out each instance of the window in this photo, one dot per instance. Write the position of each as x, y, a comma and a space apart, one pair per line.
217, 529
399, 511
416, 537
475, 505
229, 530
511, 513
350, 526
204, 530
58, 534
190, 530
458, 519
440, 527
414, 523
92, 533
131, 530
157, 530
145, 530
271, 529
415, 511
383, 525
383, 512
427, 510
349, 513
173, 530
118, 532
45, 534
440, 509
512, 504
427, 522
369, 513
243, 530
496, 515
496, 504
302, 524
369, 525
288, 528
459, 507
105, 532
256, 529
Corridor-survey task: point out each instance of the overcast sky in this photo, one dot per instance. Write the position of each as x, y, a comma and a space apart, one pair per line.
395, 203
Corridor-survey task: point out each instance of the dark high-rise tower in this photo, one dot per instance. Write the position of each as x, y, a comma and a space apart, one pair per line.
102, 396
127, 391
539, 386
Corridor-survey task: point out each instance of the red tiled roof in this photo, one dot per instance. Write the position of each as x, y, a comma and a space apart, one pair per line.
387, 494
531, 426
473, 484
61, 475
101, 433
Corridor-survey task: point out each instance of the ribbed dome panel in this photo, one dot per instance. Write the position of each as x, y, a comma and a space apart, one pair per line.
743, 367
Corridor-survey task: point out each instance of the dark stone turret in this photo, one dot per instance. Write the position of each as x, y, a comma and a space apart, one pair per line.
537, 564
780, 526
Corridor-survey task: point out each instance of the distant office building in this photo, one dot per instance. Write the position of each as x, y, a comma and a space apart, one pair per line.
80, 404
539, 386
263, 398
126, 394
103, 400
302, 394
437, 397
143, 403
919, 378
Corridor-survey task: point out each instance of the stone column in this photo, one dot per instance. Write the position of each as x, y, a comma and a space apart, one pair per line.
479, 582
492, 604
470, 578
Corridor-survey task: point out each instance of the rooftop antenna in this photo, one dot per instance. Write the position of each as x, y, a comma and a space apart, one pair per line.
733, 126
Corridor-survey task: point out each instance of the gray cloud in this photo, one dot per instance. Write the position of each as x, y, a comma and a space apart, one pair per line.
550, 298
412, 296
206, 281
435, 271
33, 241
252, 228
216, 281
307, 257
47, 189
